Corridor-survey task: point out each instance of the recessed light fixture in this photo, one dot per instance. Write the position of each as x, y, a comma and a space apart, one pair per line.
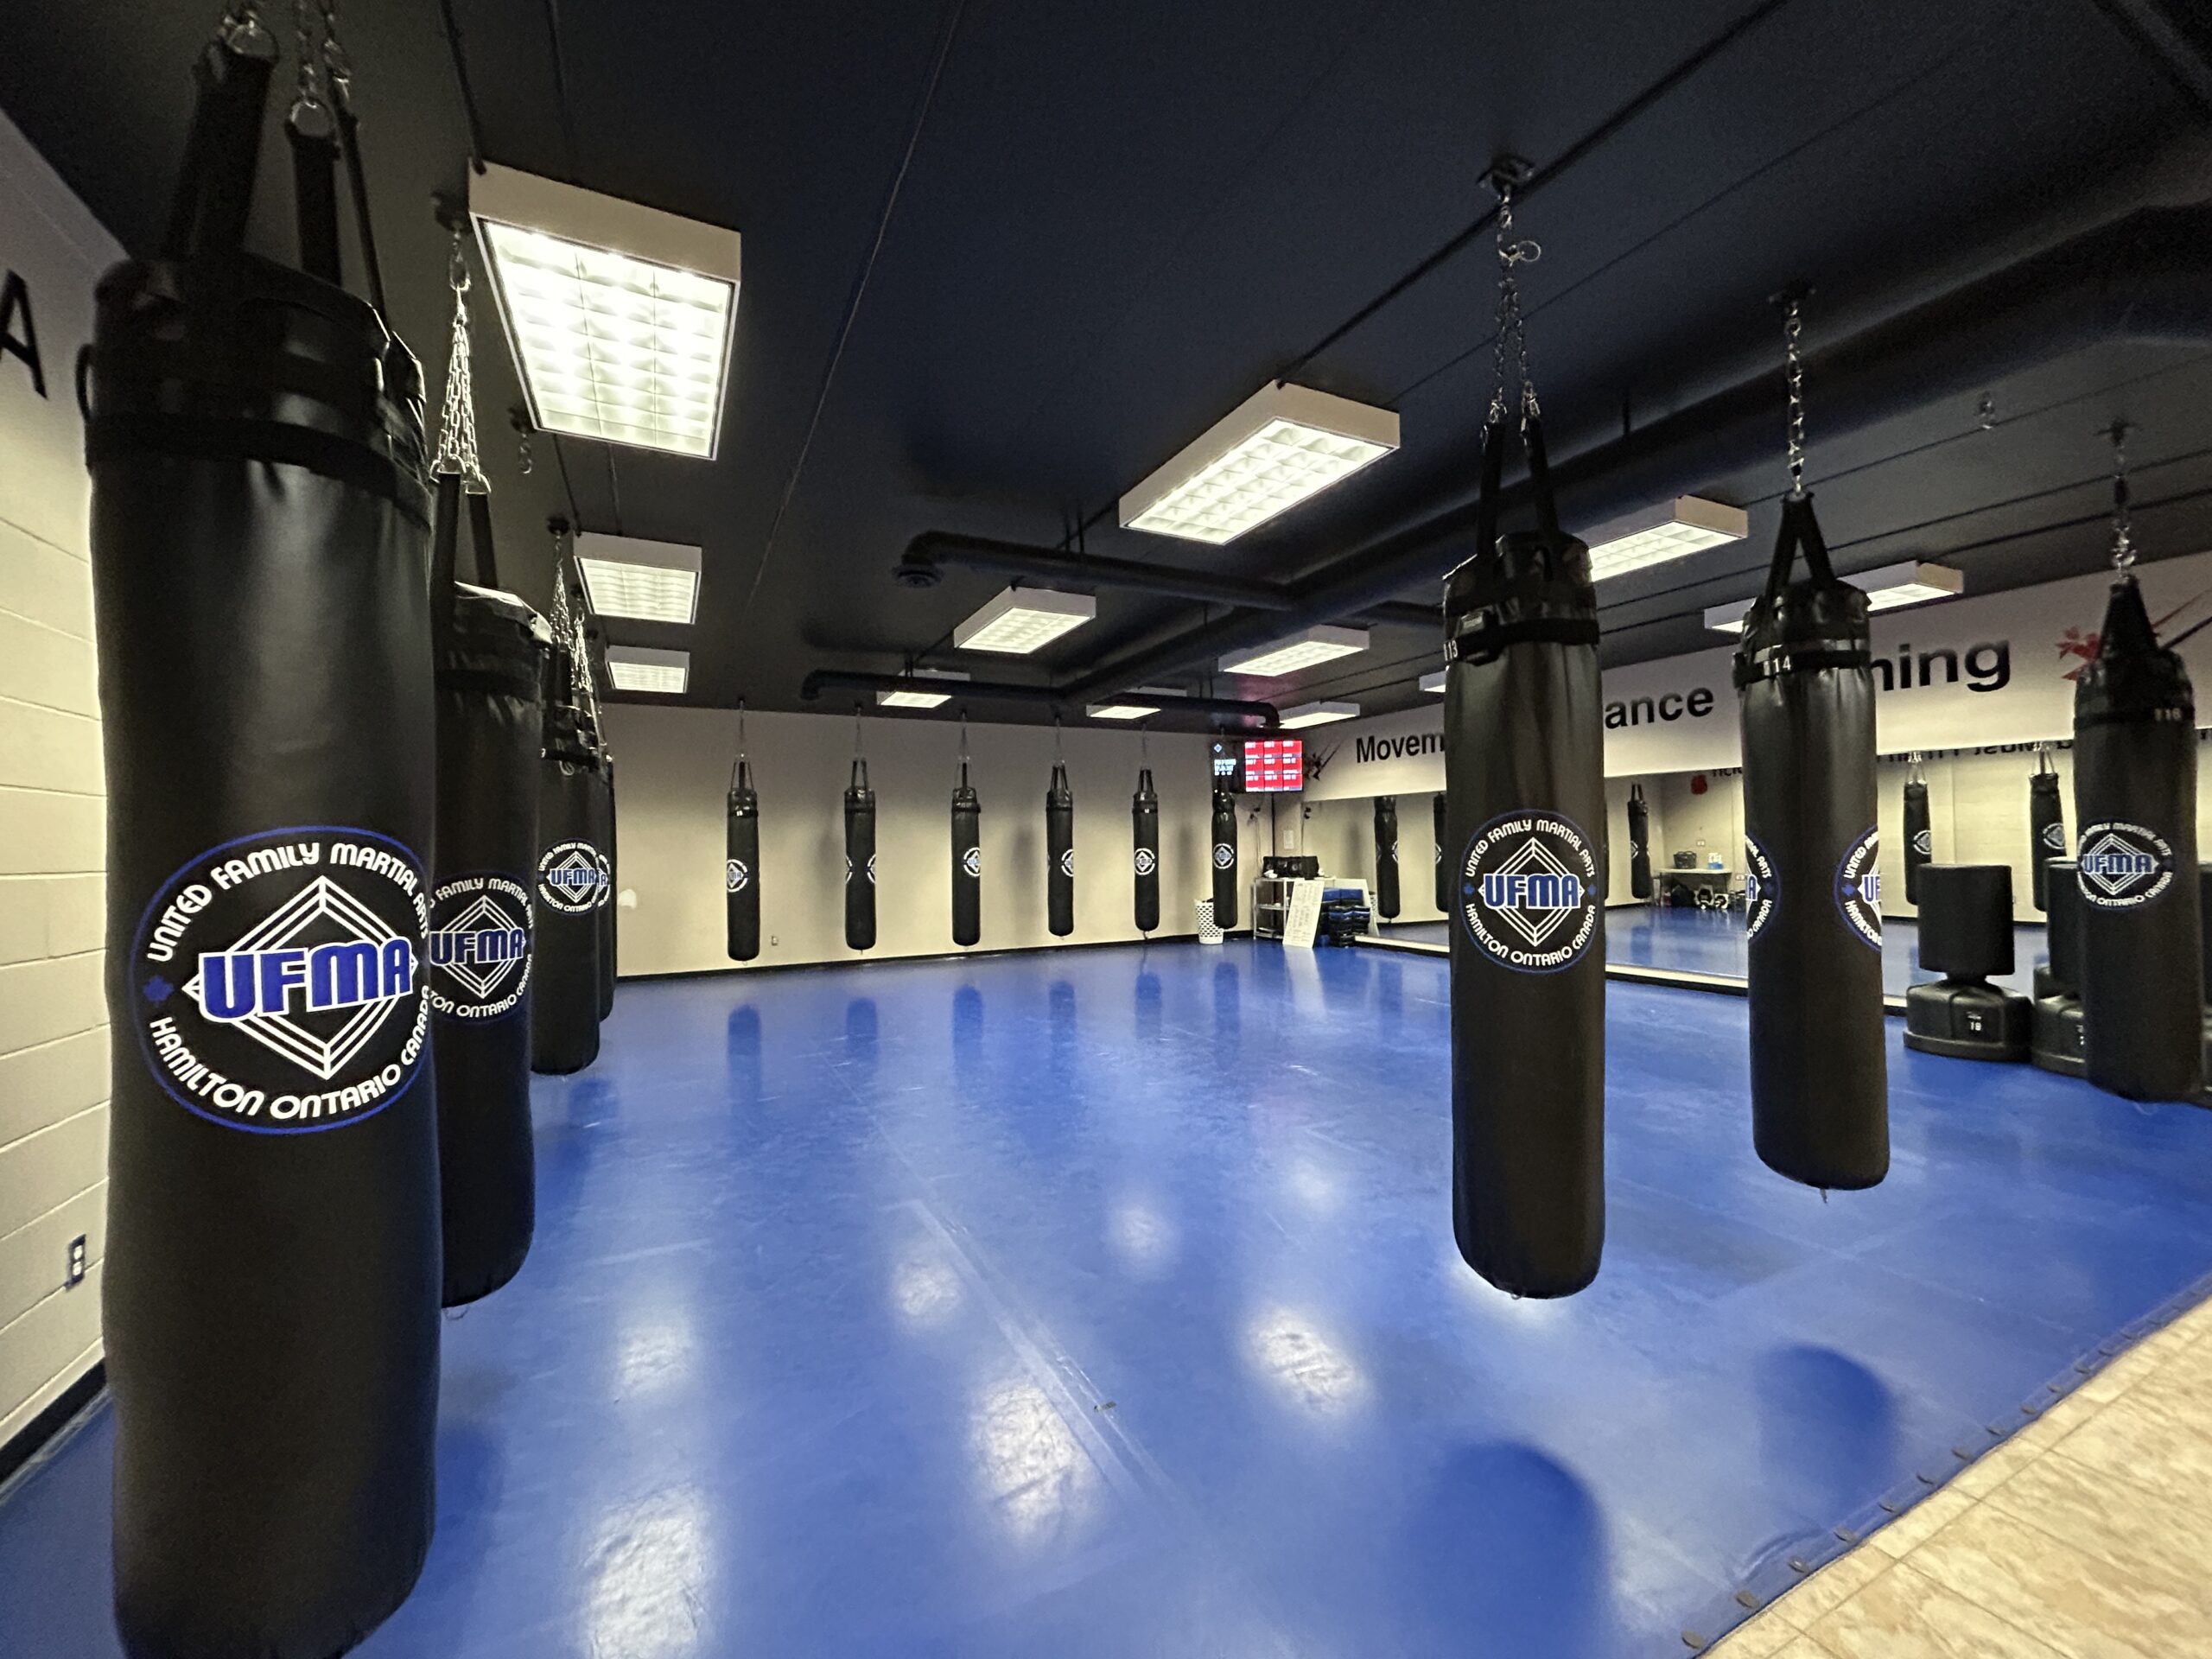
1322, 644
1120, 710
1160, 691
1433, 682
642, 667
1315, 714
903, 698
1729, 618
654, 582
1023, 619
621, 317
1887, 588
1282, 445
1669, 531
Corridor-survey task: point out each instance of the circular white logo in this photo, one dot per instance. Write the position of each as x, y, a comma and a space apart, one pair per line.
1859, 888
1067, 863
2123, 865
1224, 856
1529, 891
1923, 843
572, 877
735, 876
2054, 835
1147, 862
972, 861
479, 947
279, 980
871, 869
1761, 891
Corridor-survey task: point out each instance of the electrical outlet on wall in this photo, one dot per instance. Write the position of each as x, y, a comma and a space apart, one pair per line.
76, 1263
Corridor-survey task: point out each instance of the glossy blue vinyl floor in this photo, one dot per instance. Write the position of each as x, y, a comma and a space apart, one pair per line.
1104, 1303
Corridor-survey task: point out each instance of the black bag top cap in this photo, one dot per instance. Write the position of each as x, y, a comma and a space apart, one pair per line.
1059, 794
2132, 677
858, 794
1146, 796
1801, 625
1523, 586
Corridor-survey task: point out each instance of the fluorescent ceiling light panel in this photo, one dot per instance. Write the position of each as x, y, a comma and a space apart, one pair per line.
621, 317
1160, 691
1281, 445
920, 699
654, 582
642, 667
1023, 619
1433, 682
1729, 618
1315, 714
1892, 586
1671, 530
1120, 710
1306, 649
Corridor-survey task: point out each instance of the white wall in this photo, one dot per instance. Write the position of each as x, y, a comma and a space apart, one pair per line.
672, 775
54, 1058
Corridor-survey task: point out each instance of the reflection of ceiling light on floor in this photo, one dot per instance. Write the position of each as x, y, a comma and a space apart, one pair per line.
651, 1573
1035, 1473
1672, 530
1315, 714
1887, 588
1143, 1238
918, 698
653, 1354
654, 582
644, 667
1283, 445
926, 1292
1023, 619
1306, 649
1289, 1352
1433, 682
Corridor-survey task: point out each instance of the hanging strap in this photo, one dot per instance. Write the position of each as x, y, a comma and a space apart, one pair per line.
1800, 531
214, 187
1540, 481
338, 75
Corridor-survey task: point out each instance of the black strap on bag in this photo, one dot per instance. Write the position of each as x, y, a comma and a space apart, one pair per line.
1524, 606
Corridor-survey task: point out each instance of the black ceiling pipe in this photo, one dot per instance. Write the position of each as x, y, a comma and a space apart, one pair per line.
845, 679
2147, 277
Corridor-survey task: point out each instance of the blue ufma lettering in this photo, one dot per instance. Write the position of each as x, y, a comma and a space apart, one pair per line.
484, 947
1532, 890
238, 984
2119, 865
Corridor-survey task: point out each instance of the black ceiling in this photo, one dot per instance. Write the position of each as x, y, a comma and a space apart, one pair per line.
1001, 259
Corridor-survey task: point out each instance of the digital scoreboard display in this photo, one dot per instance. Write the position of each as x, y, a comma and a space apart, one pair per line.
1260, 766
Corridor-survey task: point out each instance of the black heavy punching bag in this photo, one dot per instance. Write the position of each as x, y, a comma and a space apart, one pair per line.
741, 863
1386, 857
1443, 864
1524, 774
2046, 824
1224, 859
260, 556
860, 860
571, 882
1639, 844
1919, 834
2135, 790
1144, 814
1820, 1080
1060, 853
966, 860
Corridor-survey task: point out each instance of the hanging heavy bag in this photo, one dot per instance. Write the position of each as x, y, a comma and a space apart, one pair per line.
571, 884
1639, 844
741, 863
1524, 778
1224, 859
1819, 1081
1144, 814
2046, 826
1060, 853
2135, 789
1919, 837
860, 860
260, 554
601, 801
967, 861
1386, 857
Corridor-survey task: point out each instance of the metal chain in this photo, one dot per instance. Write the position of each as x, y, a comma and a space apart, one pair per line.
1793, 329
588, 688
309, 95
337, 67
1512, 327
560, 620
457, 455
242, 31
856, 728
963, 737
2123, 546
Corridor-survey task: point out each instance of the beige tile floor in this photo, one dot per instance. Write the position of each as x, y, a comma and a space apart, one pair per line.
2086, 1536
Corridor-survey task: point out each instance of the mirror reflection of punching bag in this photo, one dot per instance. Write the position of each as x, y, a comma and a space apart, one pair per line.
967, 858
564, 1001
2135, 789
860, 859
261, 560
1386, 857
741, 858
1224, 859
1060, 852
1639, 844
2046, 824
1443, 864
1144, 812
1919, 832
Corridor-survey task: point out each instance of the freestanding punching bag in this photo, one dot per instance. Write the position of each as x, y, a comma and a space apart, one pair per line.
967, 861
1224, 859
260, 541
1639, 844
741, 863
2046, 824
1919, 835
860, 860
571, 882
1060, 852
1524, 775
2135, 790
1386, 857
1144, 814
1819, 1077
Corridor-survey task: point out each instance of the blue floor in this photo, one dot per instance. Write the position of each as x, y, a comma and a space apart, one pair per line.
1712, 942
1104, 1303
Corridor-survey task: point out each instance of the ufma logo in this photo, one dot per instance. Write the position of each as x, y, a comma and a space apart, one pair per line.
735, 876
2053, 837
2123, 865
571, 878
279, 979
1224, 856
479, 947
1529, 891
1146, 862
972, 861
1067, 863
1761, 891
868, 869
1859, 888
